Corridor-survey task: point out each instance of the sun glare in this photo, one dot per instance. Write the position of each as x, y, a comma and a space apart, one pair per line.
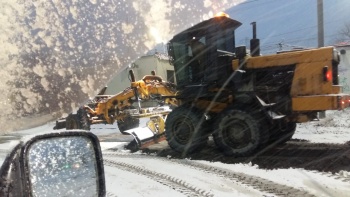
156, 35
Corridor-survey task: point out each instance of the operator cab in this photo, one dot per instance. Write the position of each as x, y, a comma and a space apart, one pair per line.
203, 54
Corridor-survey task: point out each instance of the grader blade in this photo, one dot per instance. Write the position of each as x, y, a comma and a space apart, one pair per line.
153, 133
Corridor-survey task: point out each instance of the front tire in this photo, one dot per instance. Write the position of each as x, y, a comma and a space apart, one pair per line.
72, 122
83, 119
78, 121
238, 133
185, 130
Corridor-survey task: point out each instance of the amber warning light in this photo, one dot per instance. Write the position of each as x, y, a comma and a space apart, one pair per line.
222, 14
327, 74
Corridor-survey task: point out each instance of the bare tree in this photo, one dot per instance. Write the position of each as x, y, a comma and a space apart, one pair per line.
343, 33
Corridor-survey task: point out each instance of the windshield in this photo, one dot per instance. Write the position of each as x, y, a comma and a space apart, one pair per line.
193, 98
55, 55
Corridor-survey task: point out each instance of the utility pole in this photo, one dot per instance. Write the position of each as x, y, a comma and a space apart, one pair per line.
320, 36
320, 23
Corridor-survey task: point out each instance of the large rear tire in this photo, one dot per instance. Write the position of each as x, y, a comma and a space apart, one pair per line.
239, 133
185, 130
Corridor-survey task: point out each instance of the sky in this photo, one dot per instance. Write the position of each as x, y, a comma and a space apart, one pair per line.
292, 23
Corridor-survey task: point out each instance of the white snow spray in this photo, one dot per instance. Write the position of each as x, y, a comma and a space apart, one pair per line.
56, 54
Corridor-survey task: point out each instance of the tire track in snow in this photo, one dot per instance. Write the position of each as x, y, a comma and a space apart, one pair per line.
338, 176
343, 176
110, 194
258, 183
254, 181
172, 182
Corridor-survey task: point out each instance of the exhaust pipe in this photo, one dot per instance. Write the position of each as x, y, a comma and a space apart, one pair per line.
254, 43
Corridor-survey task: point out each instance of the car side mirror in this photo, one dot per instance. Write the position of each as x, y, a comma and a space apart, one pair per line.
56, 164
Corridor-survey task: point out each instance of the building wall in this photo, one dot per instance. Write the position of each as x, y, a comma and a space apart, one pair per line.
344, 67
141, 67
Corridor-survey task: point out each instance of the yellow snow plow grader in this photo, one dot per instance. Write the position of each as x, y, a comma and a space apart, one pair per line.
246, 101
106, 109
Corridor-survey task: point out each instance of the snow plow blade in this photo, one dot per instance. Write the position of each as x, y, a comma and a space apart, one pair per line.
146, 136
143, 137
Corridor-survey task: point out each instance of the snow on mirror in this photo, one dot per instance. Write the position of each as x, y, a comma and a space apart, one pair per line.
63, 166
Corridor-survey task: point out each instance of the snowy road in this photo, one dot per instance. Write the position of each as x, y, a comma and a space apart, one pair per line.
141, 174
161, 172
137, 173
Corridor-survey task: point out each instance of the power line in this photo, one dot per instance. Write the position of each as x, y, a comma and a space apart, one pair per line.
252, 1
285, 33
268, 47
297, 30
246, 2
301, 29
300, 39
312, 38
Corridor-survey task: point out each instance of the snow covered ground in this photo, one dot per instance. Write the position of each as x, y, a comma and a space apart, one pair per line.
137, 174
126, 177
335, 128
146, 175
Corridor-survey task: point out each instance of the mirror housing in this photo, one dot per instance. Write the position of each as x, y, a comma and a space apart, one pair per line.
71, 160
